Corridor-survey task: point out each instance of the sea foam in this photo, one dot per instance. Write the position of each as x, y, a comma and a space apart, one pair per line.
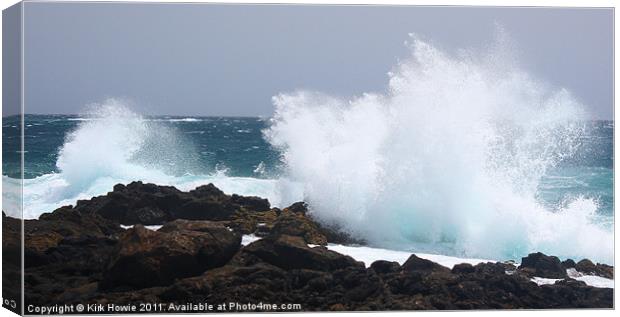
112, 145
448, 160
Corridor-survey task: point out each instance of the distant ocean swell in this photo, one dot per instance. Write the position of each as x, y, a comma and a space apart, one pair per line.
111, 145
467, 156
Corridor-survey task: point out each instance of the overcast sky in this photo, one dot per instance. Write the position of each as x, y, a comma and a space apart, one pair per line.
200, 59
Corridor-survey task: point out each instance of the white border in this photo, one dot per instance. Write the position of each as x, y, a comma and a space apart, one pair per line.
505, 3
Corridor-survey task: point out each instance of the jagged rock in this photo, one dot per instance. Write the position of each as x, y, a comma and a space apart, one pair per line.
587, 267
208, 191
247, 222
203, 209
298, 207
260, 282
134, 203
573, 293
148, 258
568, 263
150, 204
335, 234
493, 268
329, 232
216, 229
252, 203
70, 222
83, 256
360, 286
43, 235
385, 267
463, 268
289, 223
416, 264
291, 252
541, 265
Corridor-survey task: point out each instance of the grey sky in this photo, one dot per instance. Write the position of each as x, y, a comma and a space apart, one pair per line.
199, 59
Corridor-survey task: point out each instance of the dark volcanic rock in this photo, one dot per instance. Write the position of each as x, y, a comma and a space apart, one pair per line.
587, 267
44, 236
385, 267
294, 224
63, 250
149, 258
493, 268
541, 265
134, 203
260, 281
150, 204
463, 268
298, 207
568, 263
416, 264
214, 228
252, 203
11, 240
203, 209
327, 232
291, 252
81, 255
257, 222
208, 191
335, 234
572, 293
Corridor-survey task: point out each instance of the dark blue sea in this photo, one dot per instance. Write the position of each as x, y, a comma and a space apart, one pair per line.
69, 157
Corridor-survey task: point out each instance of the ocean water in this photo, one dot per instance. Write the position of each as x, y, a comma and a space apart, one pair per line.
233, 153
463, 155
197, 145
71, 157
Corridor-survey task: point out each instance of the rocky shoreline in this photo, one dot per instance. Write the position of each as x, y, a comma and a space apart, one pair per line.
82, 255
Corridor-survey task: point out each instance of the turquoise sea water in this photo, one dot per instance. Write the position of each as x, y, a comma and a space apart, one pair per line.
237, 144
70, 157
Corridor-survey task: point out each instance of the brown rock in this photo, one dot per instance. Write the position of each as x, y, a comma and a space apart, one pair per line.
587, 267
298, 224
147, 258
246, 222
541, 265
416, 264
291, 252
385, 267
43, 236
150, 204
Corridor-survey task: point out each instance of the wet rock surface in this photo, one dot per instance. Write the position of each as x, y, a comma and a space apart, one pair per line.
541, 265
149, 204
147, 258
82, 254
586, 266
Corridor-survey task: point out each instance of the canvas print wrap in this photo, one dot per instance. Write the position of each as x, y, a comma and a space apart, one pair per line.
193, 158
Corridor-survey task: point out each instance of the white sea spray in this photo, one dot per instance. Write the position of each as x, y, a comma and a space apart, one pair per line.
448, 160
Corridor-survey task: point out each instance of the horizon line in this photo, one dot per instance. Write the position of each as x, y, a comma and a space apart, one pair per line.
203, 116
145, 115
